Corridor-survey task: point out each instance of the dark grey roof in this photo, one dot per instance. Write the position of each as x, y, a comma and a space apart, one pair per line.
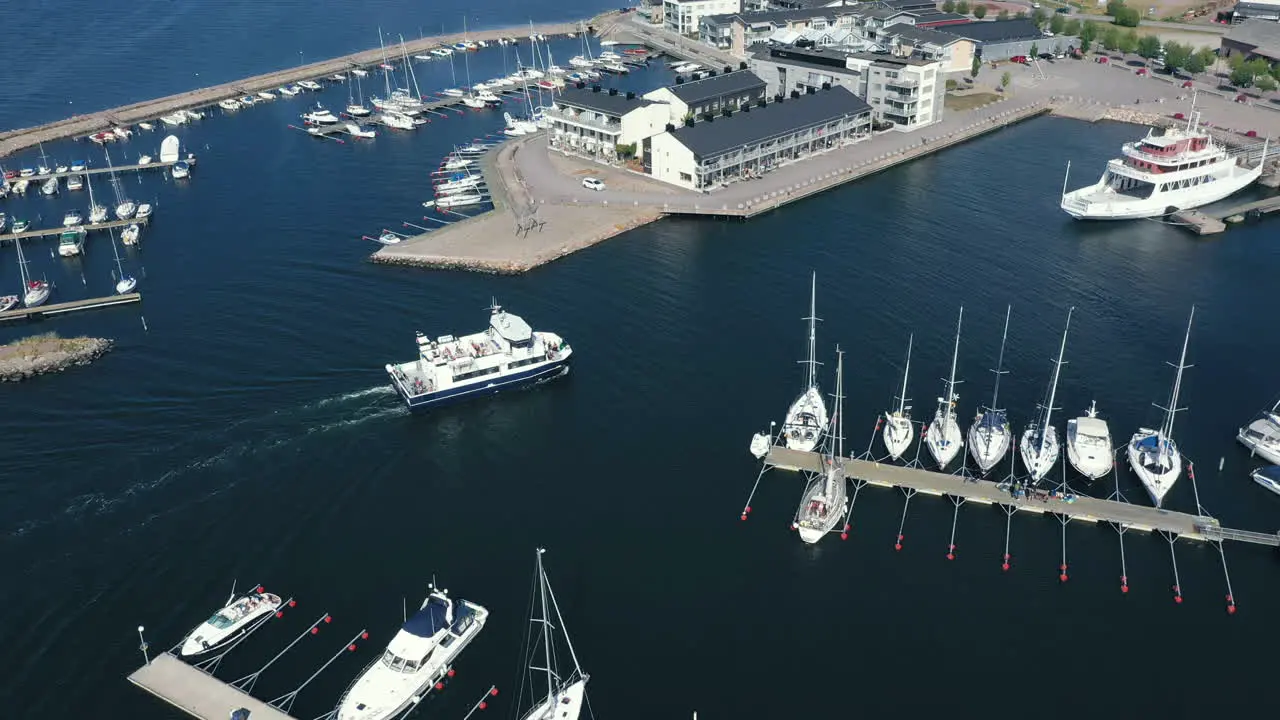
710, 138
920, 34
924, 5
996, 31
772, 17
602, 102
1257, 33
937, 16
716, 86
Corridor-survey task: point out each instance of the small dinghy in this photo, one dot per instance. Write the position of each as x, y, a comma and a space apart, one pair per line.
8, 302
144, 159
230, 622
760, 444
389, 238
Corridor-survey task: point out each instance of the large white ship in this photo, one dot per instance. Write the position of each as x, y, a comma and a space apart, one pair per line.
1182, 169
506, 355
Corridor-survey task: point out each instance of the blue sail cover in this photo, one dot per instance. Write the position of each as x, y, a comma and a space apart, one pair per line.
429, 620
1151, 444
993, 419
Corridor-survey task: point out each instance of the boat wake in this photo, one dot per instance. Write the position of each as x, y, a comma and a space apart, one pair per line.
262, 435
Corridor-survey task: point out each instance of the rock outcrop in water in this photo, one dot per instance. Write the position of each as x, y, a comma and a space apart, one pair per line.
40, 354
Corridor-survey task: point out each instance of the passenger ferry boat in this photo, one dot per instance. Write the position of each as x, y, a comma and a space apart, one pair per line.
1182, 169
506, 355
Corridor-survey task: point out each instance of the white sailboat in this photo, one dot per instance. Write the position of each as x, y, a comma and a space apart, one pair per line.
34, 292
1153, 454
1039, 446
1089, 444
990, 434
826, 498
898, 428
124, 283
356, 108
807, 416
566, 692
1262, 436
943, 434
125, 208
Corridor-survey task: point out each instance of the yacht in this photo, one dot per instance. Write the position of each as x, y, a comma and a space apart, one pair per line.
320, 116
396, 120
232, 621
417, 658
1153, 454
1262, 436
144, 211
180, 170
444, 202
1184, 168
990, 434
34, 292
174, 119
229, 104
943, 434
1268, 477
1040, 448
75, 182
71, 242
1089, 444
129, 236
311, 85
50, 186
288, 91
72, 218
826, 499
506, 355
807, 416
898, 428
266, 95
566, 687
248, 100
144, 159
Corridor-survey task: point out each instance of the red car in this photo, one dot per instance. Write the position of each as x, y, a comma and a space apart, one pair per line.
10, 174
1188, 84
1179, 116
1102, 59
1142, 71
1020, 59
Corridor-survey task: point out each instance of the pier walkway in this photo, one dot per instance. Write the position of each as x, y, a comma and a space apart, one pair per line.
1088, 509
154, 164
55, 232
70, 307
198, 693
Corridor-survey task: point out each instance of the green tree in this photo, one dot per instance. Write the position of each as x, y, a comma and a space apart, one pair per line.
1176, 55
1149, 47
1129, 42
962, 7
1114, 7
1265, 83
1005, 79
1039, 17
1056, 24
1207, 57
949, 6
1242, 75
1088, 33
1002, 15
975, 67
1111, 38
1072, 27
1035, 50
1128, 17
980, 11
1194, 64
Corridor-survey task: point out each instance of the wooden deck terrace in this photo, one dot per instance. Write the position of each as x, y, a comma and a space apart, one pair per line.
55, 232
986, 492
197, 693
69, 307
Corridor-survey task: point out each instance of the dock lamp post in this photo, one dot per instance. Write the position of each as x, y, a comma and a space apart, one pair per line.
142, 645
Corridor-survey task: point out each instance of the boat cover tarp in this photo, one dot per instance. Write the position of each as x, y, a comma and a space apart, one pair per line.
241, 714
169, 149
429, 620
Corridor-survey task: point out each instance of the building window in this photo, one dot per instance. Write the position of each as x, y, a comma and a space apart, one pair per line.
686, 177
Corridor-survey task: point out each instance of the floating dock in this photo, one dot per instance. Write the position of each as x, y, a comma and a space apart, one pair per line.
70, 307
1212, 223
153, 165
197, 693
1088, 509
55, 232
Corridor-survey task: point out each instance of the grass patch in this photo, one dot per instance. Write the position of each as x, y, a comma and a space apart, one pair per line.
34, 339
968, 101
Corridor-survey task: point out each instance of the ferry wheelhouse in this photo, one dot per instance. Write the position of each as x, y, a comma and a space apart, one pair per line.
1182, 169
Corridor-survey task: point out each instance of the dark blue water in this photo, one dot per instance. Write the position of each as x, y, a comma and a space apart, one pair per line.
247, 434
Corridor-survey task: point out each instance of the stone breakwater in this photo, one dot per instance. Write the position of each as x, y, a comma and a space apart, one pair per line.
41, 354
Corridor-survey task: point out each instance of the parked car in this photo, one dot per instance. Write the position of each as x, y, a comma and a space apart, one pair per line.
1021, 59
592, 183
1188, 84
1142, 71
1063, 11
1102, 59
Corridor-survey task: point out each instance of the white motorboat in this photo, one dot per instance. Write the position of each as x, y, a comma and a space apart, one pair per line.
442, 52
34, 292
180, 170
355, 130
1268, 477
456, 163
452, 92
72, 218
266, 95
760, 443
1089, 444
1040, 447
192, 114
320, 116
396, 121
1153, 455
990, 434
20, 187
898, 428
473, 149
389, 238
9, 302
169, 149
146, 126
144, 211
229, 623
49, 187
61, 168
79, 166
807, 417
1262, 436
474, 103
943, 437
20, 226
1184, 168
174, 119
130, 235
452, 201
488, 98
311, 85
75, 182
417, 657
457, 183
287, 91
825, 500
566, 687
229, 104
248, 100
144, 159
71, 242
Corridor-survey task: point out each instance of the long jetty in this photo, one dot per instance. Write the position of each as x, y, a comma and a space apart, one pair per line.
70, 307
13, 140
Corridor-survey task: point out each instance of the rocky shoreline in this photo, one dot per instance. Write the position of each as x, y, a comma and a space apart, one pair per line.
41, 354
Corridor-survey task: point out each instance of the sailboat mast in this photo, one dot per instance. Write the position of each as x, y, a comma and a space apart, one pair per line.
902, 399
839, 403
1172, 410
951, 379
386, 74
813, 319
995, 392
1053, 387
546, 626
563, 629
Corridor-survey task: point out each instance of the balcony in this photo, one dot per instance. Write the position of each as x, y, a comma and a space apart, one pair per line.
901, 96
901, 83
585, 119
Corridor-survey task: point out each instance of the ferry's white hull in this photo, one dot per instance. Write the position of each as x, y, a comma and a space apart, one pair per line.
943, 439
1157, 480
897, 434
806, 421
1037, 458
1096, 202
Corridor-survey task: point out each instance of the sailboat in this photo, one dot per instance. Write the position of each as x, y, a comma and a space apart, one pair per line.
354, 108
470, 100
124, 283
1039, 446
34, 292
825, 498
1089, 444
807, 416
990, 435
943, 434
1262, 436
898, 429
566, 693
125, 208
1153, 455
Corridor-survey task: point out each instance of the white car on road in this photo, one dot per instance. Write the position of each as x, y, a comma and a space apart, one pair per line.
591, 183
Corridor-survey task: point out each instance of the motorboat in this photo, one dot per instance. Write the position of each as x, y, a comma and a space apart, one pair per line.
474, 103
266, 95
26, 172
456, 163
1268, 477
1262, 436
248, 100
75, 182
97, 214
397, 121
61, 169
355, 130
338, 77
8, 302
320, 116
174, 119
145, 159
191, 114
144, 211
488, 98
1089, 444
452, 92
416, 659
20, 226
72, 219
806, 419
71, 242
359, 72
131, 233
898, 428
452, 201
311, 85
1040, 447
1153, 455
123, 133
126, 210
146, 126
241, 614
442, 52
389, 238
457, 184
990, 434
20, 187
79, 166
229, 104
287, 91
180, 170
566, 683
49, 187
826, 496
169, 149
943, 437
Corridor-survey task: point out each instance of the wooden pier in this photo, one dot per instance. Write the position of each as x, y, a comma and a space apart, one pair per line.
55, 232
1212, 223
70, 307
154, 164
1088, 509
197, 693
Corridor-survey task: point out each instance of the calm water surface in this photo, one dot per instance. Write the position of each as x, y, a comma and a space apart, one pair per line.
247, 433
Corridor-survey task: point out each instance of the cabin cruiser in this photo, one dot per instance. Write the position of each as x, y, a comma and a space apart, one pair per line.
180, 170
174, 119
230, 622
311, 85
71, 242
396, 120
72, 219
266, 95
1089, 444
50, 186
416, 658
229, 104
320, 116
129, 236
355, 130
126, 210
1262, 436
75, 182
20, 226
144, 211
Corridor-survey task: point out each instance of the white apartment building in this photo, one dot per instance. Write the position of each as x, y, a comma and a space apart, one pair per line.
685, 16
